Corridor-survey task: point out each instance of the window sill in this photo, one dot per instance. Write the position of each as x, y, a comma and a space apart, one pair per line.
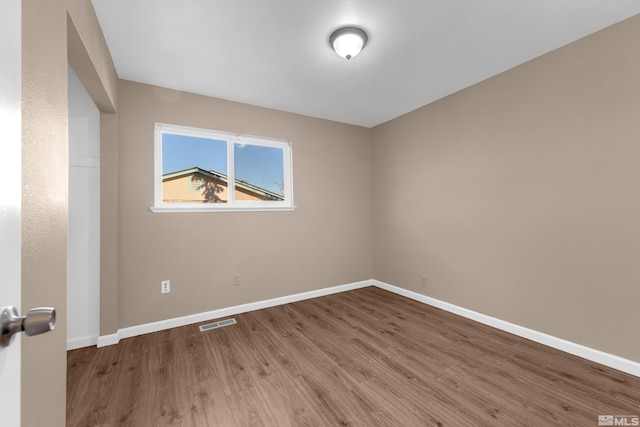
176, 209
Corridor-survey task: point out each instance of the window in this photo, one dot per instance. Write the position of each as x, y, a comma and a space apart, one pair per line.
202, 170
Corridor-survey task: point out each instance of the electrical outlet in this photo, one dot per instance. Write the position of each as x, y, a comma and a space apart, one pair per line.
424, 281
236, 279
165, 286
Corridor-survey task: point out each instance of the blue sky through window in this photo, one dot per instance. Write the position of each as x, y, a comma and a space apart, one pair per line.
258, 165
261, 166
180, 152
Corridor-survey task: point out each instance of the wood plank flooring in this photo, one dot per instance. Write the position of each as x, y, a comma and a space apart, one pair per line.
360, 358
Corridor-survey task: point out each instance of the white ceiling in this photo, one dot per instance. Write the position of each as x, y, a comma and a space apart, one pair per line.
276, 53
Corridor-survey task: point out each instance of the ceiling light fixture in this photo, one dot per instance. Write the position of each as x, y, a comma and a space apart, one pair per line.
348, 41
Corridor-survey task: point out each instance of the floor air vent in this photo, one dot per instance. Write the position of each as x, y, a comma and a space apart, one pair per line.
216, 325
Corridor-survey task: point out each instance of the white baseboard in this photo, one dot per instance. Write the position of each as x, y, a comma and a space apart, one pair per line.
610, 360
147, 328
613, 361
75, 343
105, 340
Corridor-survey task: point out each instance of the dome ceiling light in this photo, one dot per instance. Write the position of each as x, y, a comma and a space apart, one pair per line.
348, 41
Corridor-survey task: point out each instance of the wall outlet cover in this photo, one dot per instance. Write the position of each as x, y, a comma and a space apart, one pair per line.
165, 286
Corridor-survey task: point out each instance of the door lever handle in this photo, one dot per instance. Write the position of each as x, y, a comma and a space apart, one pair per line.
37, 321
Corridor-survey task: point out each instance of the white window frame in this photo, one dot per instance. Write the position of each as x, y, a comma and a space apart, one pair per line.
231, 205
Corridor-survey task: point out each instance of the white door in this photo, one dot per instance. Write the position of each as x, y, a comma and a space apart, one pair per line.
10, 199
83, 266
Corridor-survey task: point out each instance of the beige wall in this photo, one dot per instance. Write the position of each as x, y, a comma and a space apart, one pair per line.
518, 197
89, 55
108, 223
44, 206
325, 242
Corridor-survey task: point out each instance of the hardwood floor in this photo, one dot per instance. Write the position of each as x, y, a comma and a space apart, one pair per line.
360, 358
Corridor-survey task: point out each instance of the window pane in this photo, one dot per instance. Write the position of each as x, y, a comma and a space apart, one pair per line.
194, 170
259, 172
